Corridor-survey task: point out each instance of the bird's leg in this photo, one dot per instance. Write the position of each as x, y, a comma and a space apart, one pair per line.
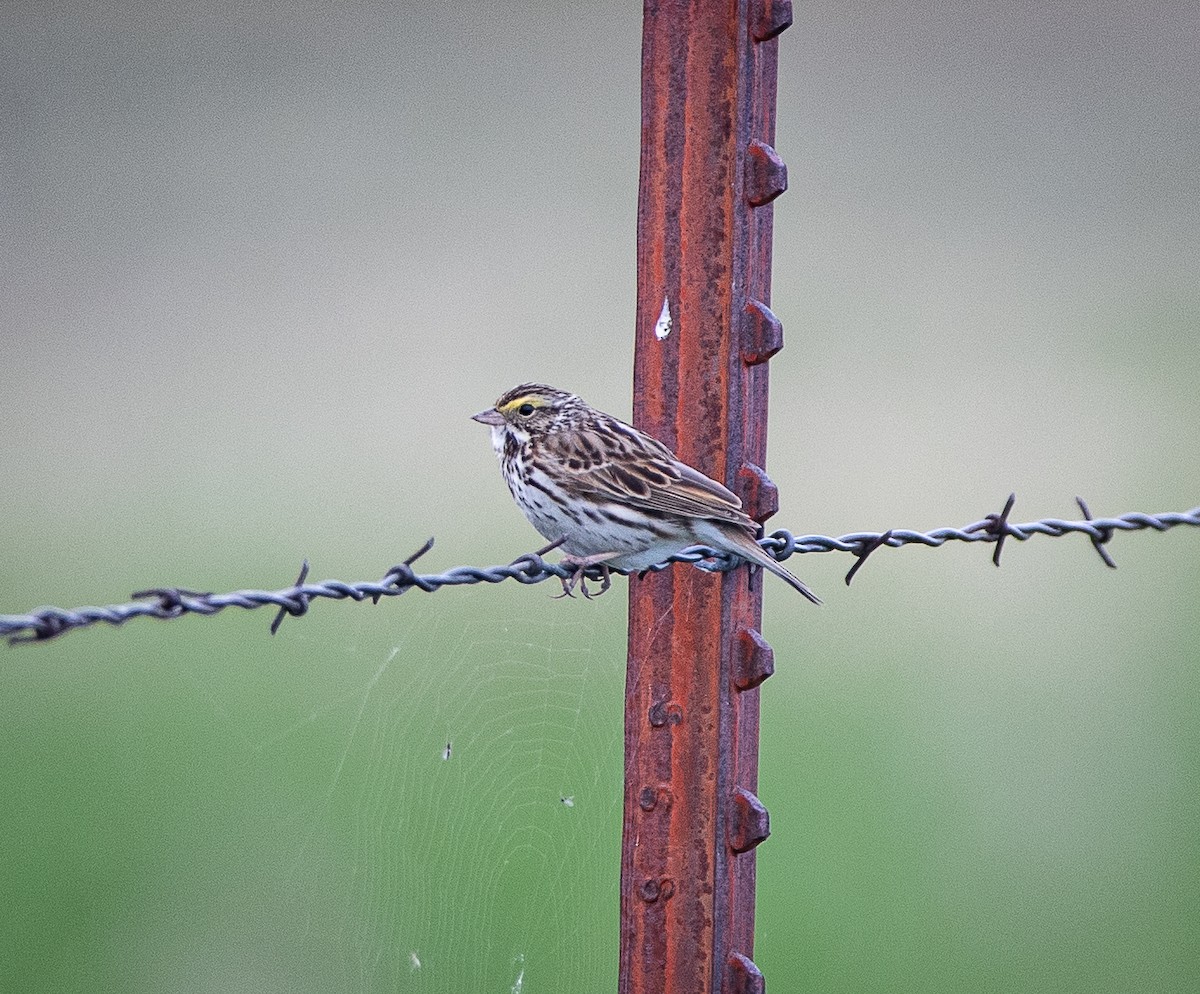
580, 565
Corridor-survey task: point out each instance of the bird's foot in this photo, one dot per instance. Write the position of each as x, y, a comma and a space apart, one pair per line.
579, 566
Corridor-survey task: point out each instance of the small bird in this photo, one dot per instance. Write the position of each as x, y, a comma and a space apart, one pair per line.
611, 495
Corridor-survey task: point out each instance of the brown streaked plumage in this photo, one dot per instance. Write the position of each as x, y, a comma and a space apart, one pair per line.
612, 495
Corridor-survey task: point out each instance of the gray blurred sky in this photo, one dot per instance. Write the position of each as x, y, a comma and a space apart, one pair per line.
349, 226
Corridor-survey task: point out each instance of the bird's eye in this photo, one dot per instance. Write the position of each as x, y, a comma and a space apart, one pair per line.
525, 410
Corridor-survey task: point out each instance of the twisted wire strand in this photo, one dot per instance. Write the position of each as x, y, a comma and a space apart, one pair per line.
165, 603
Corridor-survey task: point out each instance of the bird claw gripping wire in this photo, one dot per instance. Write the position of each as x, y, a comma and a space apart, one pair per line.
532, 568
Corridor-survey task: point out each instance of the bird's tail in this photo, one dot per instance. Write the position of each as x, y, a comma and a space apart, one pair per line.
751, 550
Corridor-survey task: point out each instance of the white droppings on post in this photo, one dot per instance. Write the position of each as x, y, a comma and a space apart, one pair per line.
663, 328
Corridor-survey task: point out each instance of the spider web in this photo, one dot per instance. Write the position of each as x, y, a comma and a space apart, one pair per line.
465, 833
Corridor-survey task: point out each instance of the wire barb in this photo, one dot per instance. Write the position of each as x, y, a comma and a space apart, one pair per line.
401, 575
301, 604
865, 550
998, 526
1098, 543
166, 603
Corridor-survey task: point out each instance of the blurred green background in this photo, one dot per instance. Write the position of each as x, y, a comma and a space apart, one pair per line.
259, 265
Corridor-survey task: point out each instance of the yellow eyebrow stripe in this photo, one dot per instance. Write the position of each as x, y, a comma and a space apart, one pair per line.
512, 405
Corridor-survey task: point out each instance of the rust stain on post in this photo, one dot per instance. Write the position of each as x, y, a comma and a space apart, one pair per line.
709, 173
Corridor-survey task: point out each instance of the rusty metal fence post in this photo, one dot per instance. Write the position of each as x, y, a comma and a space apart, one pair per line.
704, 334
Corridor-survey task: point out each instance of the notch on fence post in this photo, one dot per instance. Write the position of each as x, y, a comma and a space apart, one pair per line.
709, 175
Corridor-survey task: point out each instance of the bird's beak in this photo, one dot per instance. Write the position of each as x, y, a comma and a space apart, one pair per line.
489, 417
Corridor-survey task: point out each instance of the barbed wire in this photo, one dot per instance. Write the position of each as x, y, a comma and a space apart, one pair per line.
166, 603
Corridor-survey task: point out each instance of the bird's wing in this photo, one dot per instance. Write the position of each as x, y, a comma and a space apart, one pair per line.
617, 462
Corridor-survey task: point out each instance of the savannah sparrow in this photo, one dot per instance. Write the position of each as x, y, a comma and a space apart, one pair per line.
608, 493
